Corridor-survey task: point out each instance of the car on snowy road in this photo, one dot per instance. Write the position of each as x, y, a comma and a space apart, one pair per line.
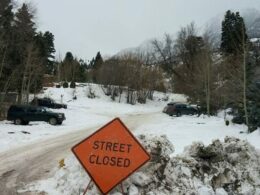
178, 109
23, 114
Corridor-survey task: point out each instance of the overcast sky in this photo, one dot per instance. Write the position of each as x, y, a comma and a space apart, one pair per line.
87, 26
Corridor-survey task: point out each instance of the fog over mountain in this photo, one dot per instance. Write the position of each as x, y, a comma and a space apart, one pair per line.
252, 21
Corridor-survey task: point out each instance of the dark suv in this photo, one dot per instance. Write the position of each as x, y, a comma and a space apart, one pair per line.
179, 109
23, 114
47, 102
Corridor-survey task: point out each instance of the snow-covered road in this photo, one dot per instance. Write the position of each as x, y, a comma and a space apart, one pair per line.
32, 162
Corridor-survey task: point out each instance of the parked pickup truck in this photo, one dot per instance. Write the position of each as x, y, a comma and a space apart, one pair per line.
48, 103
23, 114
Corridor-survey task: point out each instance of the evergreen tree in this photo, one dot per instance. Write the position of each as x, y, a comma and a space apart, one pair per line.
69, 57
82, 74
98, 61
91, 63
6, 42
25, 32
253, 94
83, 64
22, 51
253, 90
234, 47
25, 50
24, 24
73, 70
97, 64
6, 19
240, 62
49, 37
45, 43
67, 67
233, 30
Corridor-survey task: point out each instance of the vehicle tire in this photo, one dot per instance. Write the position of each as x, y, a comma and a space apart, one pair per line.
18, 121
59, 123
53, 121
198, 113
178, 114
25, 122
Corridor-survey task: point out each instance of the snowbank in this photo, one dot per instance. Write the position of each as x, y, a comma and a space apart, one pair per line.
229, 167
183, 131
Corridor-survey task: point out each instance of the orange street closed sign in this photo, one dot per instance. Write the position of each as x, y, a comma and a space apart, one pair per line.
110, 155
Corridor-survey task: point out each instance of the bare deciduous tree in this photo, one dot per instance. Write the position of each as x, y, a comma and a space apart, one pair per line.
130, 73
33, 69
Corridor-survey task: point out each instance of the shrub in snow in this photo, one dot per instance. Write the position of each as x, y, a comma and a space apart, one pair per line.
165, 98
227, 122
131, 96
65, 85
72, 84
221, 168
142, 96
91, 93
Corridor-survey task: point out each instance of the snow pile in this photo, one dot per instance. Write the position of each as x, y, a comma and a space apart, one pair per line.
229, 167
70, 179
